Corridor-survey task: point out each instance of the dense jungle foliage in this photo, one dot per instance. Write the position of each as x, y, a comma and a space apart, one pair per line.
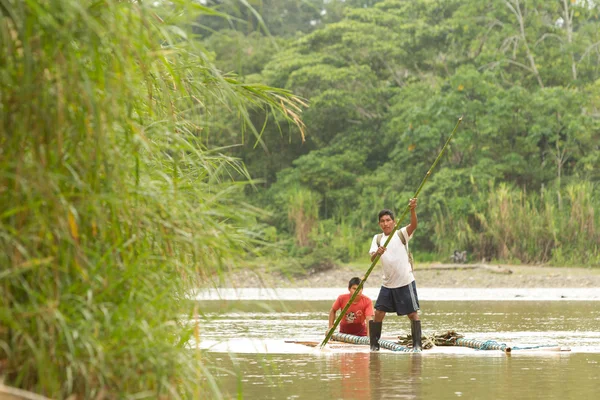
386, 82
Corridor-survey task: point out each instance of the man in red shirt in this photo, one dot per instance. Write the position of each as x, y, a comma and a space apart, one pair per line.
361, 311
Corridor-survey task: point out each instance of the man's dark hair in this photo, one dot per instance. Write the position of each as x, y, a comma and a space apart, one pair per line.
386, 212
354, 281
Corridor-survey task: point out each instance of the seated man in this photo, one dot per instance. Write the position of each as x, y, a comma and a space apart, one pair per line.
357, 315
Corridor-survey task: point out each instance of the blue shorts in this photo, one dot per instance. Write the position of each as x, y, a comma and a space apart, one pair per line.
402, 300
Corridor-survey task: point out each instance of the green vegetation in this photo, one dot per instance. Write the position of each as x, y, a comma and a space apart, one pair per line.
386, 81
112, 208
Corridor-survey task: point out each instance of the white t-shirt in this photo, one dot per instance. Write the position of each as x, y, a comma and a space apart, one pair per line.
396, 267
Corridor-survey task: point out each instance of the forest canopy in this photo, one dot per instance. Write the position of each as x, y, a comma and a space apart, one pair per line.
386, 82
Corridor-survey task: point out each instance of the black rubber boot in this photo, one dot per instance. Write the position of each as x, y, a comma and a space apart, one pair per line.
415, 330
374, 334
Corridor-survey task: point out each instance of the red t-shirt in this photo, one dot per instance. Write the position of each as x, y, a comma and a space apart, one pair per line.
353, 322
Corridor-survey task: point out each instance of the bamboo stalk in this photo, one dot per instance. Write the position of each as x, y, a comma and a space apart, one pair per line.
360, 286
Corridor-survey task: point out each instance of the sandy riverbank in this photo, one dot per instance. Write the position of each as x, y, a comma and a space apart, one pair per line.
435, 276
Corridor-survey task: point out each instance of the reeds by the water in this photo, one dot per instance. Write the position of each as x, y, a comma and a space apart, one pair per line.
559, 226
111, 209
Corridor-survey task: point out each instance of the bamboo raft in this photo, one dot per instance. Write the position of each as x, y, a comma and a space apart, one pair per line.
445, 339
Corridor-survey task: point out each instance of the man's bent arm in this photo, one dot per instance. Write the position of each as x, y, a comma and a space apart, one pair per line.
413, 217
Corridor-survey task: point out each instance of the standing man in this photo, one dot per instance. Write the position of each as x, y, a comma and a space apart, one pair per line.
361, 311
398, 292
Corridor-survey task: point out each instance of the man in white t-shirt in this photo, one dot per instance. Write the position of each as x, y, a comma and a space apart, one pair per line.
398, 292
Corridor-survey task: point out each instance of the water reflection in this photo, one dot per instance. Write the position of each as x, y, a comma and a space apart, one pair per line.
409, 376
396, 377
356, 374
374, 376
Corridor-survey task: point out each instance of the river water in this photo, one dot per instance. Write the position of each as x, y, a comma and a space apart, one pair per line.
249, 337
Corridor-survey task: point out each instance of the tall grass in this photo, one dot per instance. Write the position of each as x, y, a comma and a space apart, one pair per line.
559, 227
111, 208
303, 213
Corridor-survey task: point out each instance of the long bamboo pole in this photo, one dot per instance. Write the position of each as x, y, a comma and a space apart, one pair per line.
406, 210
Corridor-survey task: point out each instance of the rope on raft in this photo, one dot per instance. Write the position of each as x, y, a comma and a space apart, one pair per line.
386, 344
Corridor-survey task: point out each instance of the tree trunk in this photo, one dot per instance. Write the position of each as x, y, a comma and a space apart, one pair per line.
516, 9
568, 18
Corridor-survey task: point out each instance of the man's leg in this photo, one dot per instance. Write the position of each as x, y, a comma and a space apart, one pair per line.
415, 329
375, 329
